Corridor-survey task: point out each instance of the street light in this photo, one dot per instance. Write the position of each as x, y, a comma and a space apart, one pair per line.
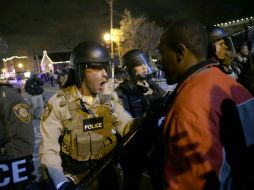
106, 37
20, 65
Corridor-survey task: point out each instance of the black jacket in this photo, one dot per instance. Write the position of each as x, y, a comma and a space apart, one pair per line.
133, 98
33, 86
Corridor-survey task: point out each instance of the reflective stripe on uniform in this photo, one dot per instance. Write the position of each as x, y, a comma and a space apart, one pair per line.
246, 113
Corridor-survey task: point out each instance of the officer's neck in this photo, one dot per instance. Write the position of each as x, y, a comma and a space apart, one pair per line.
86, 97
85, 91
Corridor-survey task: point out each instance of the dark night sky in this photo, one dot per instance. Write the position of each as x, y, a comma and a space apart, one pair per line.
30, 26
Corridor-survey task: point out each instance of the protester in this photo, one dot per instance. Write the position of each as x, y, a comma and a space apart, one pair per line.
208, 130
137, 94
34, 88
80, 124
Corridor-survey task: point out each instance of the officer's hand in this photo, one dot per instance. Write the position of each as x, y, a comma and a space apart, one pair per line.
69, 186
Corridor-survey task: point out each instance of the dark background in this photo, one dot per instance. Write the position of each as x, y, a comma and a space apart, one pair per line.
30, 26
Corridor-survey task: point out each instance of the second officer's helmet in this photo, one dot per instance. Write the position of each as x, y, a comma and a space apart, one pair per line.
136, 57
88, 54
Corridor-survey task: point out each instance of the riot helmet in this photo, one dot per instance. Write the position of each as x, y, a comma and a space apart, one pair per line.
87, 54
136, 57
216, 34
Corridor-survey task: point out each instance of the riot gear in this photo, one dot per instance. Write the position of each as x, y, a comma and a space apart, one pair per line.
215, 34
87, 54
137, 57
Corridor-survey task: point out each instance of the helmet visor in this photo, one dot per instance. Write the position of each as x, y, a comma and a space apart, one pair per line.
97, 66
230, 45
148, 62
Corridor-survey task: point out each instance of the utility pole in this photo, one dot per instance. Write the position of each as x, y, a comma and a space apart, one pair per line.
110, 2
111, 28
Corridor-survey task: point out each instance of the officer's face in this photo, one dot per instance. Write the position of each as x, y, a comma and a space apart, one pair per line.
221, 48
245, 50
95, 81
140, 70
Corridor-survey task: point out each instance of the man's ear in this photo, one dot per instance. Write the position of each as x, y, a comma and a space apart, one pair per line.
180, 52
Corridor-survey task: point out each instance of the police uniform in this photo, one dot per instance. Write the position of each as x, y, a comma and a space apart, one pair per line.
15, 124
86, 129
16, 134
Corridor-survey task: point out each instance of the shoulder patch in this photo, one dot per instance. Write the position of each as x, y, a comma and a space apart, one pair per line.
22, 111
120, 101
47, 111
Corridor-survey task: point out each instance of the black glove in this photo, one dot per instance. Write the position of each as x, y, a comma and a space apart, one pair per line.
69, 186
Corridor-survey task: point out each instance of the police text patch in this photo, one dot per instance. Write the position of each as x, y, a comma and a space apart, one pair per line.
92, 124
14, 171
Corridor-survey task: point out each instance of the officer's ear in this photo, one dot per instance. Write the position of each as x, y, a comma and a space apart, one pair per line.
180, 52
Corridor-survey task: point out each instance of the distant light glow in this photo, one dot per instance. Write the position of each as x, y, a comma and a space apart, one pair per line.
20, 65
232, 23
107, 37
13, 57
27, 74
57, 62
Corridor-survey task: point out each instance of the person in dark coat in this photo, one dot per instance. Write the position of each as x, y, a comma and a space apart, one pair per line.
34, 88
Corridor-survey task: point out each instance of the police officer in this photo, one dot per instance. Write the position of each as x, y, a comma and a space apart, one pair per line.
137, 94
80, 123
242, 62
139, 91
16, 139
221, 49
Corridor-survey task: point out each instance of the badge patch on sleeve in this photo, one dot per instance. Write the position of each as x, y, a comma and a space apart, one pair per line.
47, 111
92, 124
22, 112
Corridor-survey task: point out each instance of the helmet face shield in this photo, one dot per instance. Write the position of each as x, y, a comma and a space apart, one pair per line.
135, 58
96, 66
150, 65
231, 48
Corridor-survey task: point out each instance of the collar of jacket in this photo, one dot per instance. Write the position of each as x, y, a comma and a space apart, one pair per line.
129, 88
74, 94
193, 70
197, 68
